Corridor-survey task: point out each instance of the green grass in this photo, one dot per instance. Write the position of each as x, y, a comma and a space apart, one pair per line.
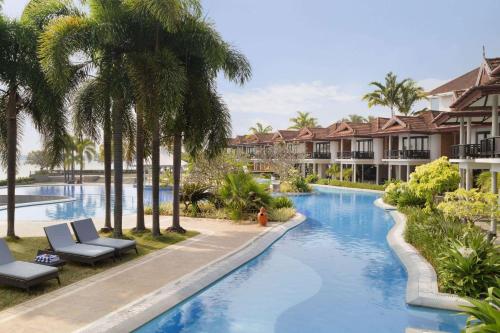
26, 249
343, 183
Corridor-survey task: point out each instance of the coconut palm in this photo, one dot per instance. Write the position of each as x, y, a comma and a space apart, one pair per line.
386, 94
260, 129
409, 94
25, 93
303, 119
85, 150
355, 118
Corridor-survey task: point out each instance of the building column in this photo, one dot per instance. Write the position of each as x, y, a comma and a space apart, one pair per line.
362, 173
377, 174
469, 131
407, 172
389, 172
353, 166
398, 176
468, 178
494, 185
462, 131
494, 116
341, 171
341, 148
494, 190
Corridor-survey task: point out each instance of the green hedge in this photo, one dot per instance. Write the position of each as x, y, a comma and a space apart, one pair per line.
19, 181
343, 183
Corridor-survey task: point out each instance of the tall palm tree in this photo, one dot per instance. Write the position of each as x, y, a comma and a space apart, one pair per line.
386, 94
25, 93
303, 119
260, 129
85, 150
409, 94
355, 118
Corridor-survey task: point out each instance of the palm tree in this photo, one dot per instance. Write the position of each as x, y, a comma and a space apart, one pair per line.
260, 129
25, 93
387, 94
355, 118
409, 94
303, 119
85, 150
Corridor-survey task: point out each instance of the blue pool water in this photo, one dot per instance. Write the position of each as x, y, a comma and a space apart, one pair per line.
89, 202
333, 273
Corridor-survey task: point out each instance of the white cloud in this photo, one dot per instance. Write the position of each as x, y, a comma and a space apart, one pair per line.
287, 98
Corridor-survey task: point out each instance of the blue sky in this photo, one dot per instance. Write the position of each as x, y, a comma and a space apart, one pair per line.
319, 55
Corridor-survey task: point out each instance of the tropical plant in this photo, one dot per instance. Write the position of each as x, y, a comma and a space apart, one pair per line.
294, 183
282, 202
281, 214
484, 315
40, 158
469, 206
242, 195
303, 119
259, 128
355, 118
312, 178
434, 178
85, 150
192, 194
401, 195
409, 94
333, 171
347, 174
483, 181
469, 266
25, 93
386, 94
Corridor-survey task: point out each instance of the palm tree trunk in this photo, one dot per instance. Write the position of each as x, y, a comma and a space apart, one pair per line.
11, 161
155, 174
117, 112
139, 165
81, 170
176, 226
107, 168
73, 165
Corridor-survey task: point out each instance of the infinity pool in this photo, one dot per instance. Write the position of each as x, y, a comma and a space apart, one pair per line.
90, 202
333, 273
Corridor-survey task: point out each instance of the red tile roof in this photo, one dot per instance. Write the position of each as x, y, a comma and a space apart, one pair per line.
348, 129
460, 83
285, 135
312, 133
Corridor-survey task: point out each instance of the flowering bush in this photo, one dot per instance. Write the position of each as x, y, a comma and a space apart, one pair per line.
469, 206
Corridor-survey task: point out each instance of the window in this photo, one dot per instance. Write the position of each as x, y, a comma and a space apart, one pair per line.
482, 136
435, 104
416, 143
364, 145
292, 147
322, 147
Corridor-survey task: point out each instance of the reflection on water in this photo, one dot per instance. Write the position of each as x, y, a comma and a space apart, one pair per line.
333, 273
89, 202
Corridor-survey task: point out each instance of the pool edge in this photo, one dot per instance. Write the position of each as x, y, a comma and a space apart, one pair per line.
148, 307
422, 287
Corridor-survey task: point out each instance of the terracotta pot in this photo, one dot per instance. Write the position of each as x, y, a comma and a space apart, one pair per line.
262, 217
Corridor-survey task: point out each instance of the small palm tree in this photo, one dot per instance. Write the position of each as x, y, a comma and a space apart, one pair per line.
387, 94
355, 118
85, 150
409, 94
303, 119
259, 128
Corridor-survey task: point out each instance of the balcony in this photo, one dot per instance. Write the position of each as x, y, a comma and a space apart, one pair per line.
354, 155
318, 156
490, 147
466, 151
407, 154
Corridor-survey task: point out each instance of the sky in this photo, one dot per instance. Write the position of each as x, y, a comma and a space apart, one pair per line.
319, 56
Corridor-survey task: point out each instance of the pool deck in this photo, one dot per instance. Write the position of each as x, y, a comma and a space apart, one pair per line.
77, 306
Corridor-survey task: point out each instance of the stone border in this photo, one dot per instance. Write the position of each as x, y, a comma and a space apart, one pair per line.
348, 188
422, 286
39, 203
148, 307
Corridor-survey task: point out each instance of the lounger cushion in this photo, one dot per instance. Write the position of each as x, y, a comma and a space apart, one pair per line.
22, 270
85, 230
5, 254
59, 236
86, 250
112, 242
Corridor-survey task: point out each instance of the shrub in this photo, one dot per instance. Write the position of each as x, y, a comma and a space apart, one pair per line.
484, 316
335, 182
281, 214
282, 202
19, 181
401, 195
346, 174
242, 195
469, 206
192, 194
334, 171
312, 178
469, 266
294, 183
434, 178
323, 181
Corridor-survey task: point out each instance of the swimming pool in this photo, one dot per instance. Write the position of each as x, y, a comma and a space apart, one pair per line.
333, 273
90, 202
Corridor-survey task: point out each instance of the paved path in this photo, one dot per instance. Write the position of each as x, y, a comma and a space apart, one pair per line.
75, 306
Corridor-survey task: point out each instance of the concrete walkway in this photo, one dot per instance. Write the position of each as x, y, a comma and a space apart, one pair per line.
76, 306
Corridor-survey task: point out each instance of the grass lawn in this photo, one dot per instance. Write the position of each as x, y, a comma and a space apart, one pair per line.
26, 249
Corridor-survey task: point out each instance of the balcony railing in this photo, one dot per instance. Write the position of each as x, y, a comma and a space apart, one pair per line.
318, 155
490, 147
407, 154
466, 151
362, 155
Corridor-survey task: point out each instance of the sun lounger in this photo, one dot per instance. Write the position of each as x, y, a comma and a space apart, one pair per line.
86, 233
23, 274
61, 241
